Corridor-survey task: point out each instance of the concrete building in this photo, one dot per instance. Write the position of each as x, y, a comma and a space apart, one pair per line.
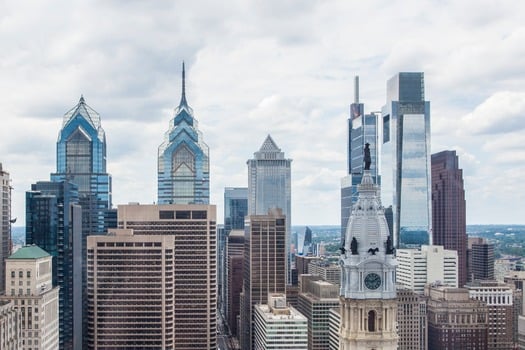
417, 267
334, 323
10, 326
411, 319
166, 262
302, 263
30, 286
234, 273
5, 224
264, 267
499, 299
316, 298
480, 259
327, 270
455, 321
279, 327
449, 227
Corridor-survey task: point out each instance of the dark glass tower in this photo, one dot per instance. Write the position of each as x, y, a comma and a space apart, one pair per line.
54, 223
405, 159
81, 159
448, 208
235, 208
183, 160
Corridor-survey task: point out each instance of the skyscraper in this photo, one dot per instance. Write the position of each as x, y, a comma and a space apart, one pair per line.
5, 223
183, 160
480, 259
263, 267
449, 228
269, 187
362, 129
411, 319
54, 223
405, 159
234, 276
235, 208
368, 304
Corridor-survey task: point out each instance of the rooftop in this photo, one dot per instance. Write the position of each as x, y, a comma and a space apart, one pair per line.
29, 252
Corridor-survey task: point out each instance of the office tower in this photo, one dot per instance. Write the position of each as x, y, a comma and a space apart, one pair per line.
5, 224
234, 275
456, 321
221, 269
368, 303
269, 187
480, 259
191, 278
184, 161
449, 228
334, 323
405, 159
417, 267
499, 299
278, 327
304, 241
264, 265
302, 263
316, 298
362, 129
10, 326
328, 271
235, 208
54, 223
411, 319
29, 279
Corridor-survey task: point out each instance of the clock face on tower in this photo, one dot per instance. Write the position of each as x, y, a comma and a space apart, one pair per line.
372, 281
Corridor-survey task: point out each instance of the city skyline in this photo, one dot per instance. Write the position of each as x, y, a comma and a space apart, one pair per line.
255, 69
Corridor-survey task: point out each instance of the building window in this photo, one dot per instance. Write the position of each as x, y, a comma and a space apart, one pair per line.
28, 274
12, 274
371, 321
21, 274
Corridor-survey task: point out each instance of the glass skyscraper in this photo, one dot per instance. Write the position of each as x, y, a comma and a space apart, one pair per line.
405, 160
183, 159
54, 223
269, 186
235, 208
362, 129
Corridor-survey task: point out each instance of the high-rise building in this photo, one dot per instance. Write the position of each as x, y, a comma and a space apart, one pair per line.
10, 326
449, 227
235, 208
167, 266
405, 159
368, 304
334, 323
234, 276
499, 300
54, 223
362, 129
456, 321
183, 159
264, 265
411, 319
327, 270
278, 326
269, 187
29, 279
417, 267
5, 223
316, 298
480, 259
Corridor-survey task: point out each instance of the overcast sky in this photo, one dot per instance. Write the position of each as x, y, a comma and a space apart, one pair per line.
254, 68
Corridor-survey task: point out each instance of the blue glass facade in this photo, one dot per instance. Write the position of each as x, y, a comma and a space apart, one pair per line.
235, 208
54, 223
183, 175
405, 161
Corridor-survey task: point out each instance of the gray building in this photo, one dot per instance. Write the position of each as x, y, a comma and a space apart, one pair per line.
411, 319
5, 223
405, 159
480, 259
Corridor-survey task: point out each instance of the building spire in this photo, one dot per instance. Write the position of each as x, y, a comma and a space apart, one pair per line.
82, 98
183, 96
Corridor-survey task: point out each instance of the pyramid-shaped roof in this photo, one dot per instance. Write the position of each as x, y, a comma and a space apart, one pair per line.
269, 145
85, 111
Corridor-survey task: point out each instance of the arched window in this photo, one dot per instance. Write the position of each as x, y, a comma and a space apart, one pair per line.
371, 321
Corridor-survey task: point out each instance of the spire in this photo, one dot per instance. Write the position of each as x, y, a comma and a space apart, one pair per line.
82, 99
183, 96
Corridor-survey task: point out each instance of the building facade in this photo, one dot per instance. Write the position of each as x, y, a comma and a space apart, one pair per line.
5, 224
270, 187
449, 227
167, 266
368, 304
417, 267
54, 223
234, 276
327, 270
411, 319
278, 326
183, 175
10, 326
456, 321
405, 159
235, 208
264, 267
480, 259
29, 279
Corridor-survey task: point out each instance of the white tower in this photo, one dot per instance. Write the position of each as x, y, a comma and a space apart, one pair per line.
368, 303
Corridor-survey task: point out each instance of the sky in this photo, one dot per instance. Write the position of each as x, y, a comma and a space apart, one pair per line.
259, 67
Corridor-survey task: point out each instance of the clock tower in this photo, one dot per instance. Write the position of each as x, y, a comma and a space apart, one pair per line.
368, 292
